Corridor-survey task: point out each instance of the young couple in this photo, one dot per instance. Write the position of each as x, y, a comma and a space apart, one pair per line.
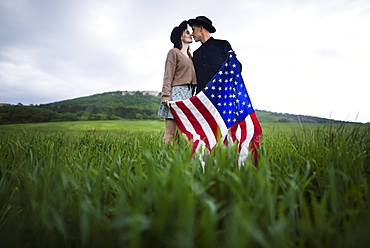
183, 72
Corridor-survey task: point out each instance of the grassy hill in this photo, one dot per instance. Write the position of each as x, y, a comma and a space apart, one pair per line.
115, 99
268, 116
123, 104
116, 105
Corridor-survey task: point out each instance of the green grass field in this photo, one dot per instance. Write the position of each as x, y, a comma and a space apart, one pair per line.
115, 184
111, 126
146, 125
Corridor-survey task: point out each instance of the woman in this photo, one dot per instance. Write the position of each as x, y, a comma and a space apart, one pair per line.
179, 76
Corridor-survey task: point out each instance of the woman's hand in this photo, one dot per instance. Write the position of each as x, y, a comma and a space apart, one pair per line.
166, 103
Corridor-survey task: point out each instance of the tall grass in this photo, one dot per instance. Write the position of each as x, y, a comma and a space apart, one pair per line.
92, 189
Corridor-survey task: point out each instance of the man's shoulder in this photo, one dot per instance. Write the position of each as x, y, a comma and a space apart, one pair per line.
220, 41
221, 44
213, 42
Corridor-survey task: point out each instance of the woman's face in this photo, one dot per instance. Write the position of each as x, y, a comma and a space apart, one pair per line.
186, 36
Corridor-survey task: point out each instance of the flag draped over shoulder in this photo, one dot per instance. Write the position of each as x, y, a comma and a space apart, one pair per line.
221, 111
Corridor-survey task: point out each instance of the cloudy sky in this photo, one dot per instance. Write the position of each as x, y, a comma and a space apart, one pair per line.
308, 57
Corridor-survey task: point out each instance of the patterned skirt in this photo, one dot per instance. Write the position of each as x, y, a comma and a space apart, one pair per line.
178, 93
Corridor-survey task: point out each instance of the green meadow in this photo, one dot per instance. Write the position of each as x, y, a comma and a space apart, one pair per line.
146, 125
110, 125
115, 184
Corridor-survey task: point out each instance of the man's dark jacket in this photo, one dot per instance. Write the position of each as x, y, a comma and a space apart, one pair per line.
208, 59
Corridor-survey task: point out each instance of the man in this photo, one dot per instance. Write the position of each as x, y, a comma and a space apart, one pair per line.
208, 58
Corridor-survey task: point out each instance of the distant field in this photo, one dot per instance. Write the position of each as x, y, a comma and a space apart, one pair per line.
116, 125
147, 126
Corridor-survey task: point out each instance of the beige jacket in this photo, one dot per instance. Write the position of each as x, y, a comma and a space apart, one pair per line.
179, 70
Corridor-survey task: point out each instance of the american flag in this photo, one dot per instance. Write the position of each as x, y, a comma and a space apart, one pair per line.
221, 111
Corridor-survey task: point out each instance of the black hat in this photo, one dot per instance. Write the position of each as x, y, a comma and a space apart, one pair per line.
177, 32
204, 22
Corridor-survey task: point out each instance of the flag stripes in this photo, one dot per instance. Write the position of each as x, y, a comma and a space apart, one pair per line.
221, 111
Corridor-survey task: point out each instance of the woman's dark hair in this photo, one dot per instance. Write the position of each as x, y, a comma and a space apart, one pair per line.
178, 44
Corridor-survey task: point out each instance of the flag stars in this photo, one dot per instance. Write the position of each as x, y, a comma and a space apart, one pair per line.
228, 93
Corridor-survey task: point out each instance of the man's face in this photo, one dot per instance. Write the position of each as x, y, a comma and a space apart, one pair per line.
197, 33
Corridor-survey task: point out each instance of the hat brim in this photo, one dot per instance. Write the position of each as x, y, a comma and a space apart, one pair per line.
207, 26
177, 31
183, 25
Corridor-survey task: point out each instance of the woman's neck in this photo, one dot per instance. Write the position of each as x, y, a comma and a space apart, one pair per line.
184, 49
